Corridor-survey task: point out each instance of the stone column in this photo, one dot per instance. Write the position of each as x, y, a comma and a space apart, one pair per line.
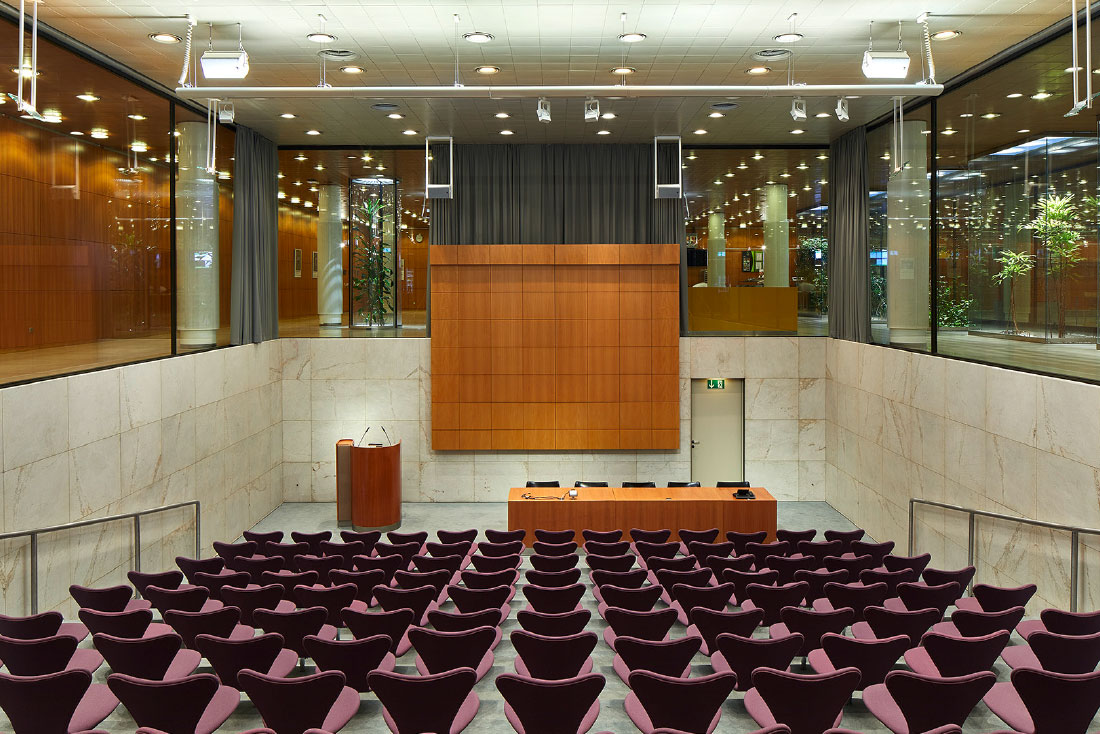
777, 237
330, 268
197, 314
907, 202
716, 248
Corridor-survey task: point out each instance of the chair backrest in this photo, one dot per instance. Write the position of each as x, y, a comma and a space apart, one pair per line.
742, 579
772, 599
975, 624
554, 549
650, 536
554, 600
507, 536
889, 622
120, 624
1061, 622
746, 654
393, 624
418, 599
733, 484
794, 537
668, 578
647, 550
354, 658
580, 483
1066, 653
817, 580
555, 536
955, 656
920, 596
37, 657
164, 579
638, 485
652, 625
495, 563
388, 565
553, 658
703, 551
690, 704
684, 484
813, 624
852, 564
917, 564
544, 483
475, 600
740, 540
877, 551
674, 563
456, 536
1000, 598
275, 536
553, 563
429, 563
366, 537
190, 599
497, 550
457, 548
229, 551
418, 536
293, 626
788, 566
872, 658
219, 622
554, 625
216, 582
718, 564
288, 580
441, 651
489, 580
635, 578
927, 702
332, 598
891, 578
667, 657
553, 579
109, 599
855, 596
602, 536
292, 705
42, 704
820, 550
323, 565
642, 599
144, 657
711, 623
458, 622
1058, 703
191, 566
405, 550
599, 562
808, 704
846, 537
761, 551
559, 704
697, 536
256, 566
937, 576
229, 657
437, 579
33, 627
364, 582
691, 598
313, 540
403, 697
175, 705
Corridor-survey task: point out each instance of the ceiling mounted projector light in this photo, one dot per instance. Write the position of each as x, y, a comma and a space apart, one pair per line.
542, 111
224, 64
885, 64
477, 37
798, 109
591, 110
842, 110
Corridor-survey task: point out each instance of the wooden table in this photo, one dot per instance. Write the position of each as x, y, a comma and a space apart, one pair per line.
619, 508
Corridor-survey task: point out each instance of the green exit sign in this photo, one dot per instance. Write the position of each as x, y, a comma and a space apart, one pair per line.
716, 384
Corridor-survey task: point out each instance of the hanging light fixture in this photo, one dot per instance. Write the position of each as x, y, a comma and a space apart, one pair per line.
791, 36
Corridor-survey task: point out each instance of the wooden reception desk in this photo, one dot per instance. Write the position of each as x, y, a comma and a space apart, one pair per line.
619, 508
368, 485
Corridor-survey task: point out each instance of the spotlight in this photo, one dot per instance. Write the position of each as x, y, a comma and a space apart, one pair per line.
842, 109
885, 64
798, 109
591, 110
542, 112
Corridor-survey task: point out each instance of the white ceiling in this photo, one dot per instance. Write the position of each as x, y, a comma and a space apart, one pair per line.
549, 42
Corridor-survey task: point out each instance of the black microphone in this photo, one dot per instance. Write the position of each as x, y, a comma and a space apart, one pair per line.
364, 435
387, 435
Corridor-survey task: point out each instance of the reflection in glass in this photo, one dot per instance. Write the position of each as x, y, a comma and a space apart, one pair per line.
375, 222
197, 266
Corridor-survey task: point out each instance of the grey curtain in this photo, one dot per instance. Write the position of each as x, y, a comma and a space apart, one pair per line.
849, 249
552, 194
254, 313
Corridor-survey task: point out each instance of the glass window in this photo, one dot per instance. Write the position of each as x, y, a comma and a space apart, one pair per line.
756, 253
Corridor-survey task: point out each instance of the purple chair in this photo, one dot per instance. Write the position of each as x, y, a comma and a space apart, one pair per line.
1061, 622
811, 624
808, 704
602, 536
323, 565
613, 549
264, 653
275, 536
1074, 654
872, 658
314, 540
364, 582
132, 624
653, 625
703, 551
788, 566
794, 537
688, 704
232, 551
881, 622
438, 580
388, 565
488, 564
646, 550
553, 658
910, 703
916, 564
707, 624
427, 564
553, 579
555, 536
817, 580
743, 655
489, 580
1043, 702
44, 624
777, 729
152, 658
288, 580
892, 579
854, 565
418, 599
554, 600
476, 600
686, 599
46, 655
296, 626
164, 579
680, 564
820, 550
500, 550
439, 550
691, 576
937, 576
668, 657
292, 705
946, 656
772, 599
913, 596
741, 540
459, 622
191, 566
214, 583
257, 566
761, 551
650, 536
554, 563
419, 536
56, 703
394, 625
197, 703
846, 537
111, 599
877, 551
456, 536
553, 625
632, 579
719, 565
403, 550
688, 537
454, 702
354, 658
742, 579
568, 705
855, 596
367, 538
190, 599
976, 624
333, 599
438, 652
224, 622
987, 598
505, 536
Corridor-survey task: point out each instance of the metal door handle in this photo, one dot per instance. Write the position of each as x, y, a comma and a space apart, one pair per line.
695, 443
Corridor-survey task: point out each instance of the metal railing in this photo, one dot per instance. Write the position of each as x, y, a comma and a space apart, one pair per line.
135, 516
1074, 531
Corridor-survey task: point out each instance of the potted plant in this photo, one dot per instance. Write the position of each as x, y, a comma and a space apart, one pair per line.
1013, 265
1059, 229
373, 279
952, 303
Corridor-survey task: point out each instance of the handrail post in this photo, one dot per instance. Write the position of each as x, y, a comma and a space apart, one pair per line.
912, 523
970, 533
34, 573
137, 543
198, 531
1074, 538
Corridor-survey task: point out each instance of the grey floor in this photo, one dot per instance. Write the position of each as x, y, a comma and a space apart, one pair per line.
490, 718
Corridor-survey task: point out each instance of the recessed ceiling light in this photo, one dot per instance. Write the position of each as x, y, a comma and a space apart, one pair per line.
789, 37
822, 115
719, 181
946, 35
138, 146
88, 97
822, 157
502, 115
700, 131
603, 132
692, 156
1025, 130
948, 131
991, 115
608, 116
1042, 95
797, 131
384, 106
313, 132
487, 70
25, 71
409, 132
1014, 95
288, 115
506, 132
477, 37
623, 70
802, 166
632, 37
742, 167
137, 117
52, 116
715, 115
299, 157
352, 69
758, 156
165, 37
76, 132
1071, 69
99, 133
729, 174
319, 37
757, 70
395, 116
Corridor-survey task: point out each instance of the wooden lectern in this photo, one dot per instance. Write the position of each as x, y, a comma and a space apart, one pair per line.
368, 485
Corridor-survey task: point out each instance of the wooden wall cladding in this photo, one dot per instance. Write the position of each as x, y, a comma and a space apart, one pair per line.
555, 347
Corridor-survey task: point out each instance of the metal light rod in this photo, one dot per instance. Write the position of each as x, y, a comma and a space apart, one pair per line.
597, 90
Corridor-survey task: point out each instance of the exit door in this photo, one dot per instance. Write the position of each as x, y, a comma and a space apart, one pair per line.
717, 431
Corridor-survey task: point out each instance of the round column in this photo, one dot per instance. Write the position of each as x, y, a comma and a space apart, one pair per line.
716, 248
197, 311
330, 266
907, 235
777, 237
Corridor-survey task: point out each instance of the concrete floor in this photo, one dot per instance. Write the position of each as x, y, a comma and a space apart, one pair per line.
490, 718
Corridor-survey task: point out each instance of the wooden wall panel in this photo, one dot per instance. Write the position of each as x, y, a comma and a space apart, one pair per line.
555, 347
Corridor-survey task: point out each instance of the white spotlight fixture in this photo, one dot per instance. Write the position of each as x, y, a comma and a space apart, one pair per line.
487, 70
542, 111
591, 110
791, 36
313, 132
608, 116
798, 109
842, 109
477, 37
225, 64
946, 35
603, 132
352, 69
623, 70
395, 116
288, 115
885, 64
502, 115
797, 131
506, 132
409, 132
715, 115
165, 37
758, 70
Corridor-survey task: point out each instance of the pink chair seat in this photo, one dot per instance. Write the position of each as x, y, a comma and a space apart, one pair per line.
73, 629
762, 715
638, 715
96, 705
1020, 656
346, 706
483, 666
462, 719
218, 710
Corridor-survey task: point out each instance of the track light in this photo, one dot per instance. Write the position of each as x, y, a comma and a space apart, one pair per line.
842, 109
591, 110
798, 109
543, 110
